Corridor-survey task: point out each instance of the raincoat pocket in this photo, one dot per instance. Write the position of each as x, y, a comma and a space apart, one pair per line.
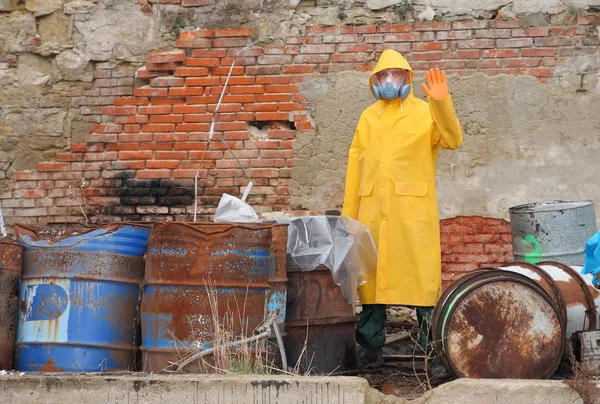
365, 189
411, 204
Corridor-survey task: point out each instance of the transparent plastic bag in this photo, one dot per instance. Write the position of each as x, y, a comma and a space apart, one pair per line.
342, 244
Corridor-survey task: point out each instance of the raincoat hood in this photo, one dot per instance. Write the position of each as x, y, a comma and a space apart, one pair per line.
390, 59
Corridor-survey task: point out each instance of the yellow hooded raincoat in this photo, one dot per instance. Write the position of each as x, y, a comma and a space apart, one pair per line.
390, 187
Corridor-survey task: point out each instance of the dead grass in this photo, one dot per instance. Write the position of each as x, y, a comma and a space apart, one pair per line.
584, 381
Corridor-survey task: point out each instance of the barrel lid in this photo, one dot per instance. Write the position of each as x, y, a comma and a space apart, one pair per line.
549, 206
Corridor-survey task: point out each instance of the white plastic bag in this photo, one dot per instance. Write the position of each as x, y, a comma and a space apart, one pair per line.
232, 209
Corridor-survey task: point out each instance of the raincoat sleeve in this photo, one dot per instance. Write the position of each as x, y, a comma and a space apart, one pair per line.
446, 132
351, 198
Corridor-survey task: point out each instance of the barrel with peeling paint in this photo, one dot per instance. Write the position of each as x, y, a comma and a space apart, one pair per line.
498, 324
552, 231
241, 264
570, 291
11, 263
321, 325
79, 298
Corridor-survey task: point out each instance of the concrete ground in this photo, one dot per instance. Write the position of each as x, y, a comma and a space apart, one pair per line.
17, 388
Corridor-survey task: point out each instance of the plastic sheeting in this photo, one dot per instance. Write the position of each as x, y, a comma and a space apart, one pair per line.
342, 244
232, 209
592, 258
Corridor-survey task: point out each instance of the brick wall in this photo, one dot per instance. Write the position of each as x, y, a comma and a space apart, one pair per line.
472, 242
140, 161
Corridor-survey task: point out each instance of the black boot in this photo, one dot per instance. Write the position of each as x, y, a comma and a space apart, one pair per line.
369, 358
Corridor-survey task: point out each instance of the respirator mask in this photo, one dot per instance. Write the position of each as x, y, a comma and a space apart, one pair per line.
390, 84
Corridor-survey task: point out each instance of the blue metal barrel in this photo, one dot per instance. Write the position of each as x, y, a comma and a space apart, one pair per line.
78, 296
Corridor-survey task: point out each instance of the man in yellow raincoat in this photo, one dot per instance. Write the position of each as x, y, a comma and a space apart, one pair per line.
390, 187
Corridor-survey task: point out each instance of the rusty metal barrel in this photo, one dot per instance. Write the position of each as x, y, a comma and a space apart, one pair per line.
552, 231
320, 324
240, 265
498, 324
11, 264
79, 298
569, 290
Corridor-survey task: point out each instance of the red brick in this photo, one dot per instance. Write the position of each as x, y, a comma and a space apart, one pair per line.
162, 173
104, 156
122, 146
202, 81
100, 137
168, 101
131, 101
260, 107
515, 43
240, 80
158, 127
127, 165
493, 33
247, 90
350, 57
481, 43
506, 23
299, 69
192, 127
198, 118
171, 164
224, 71
231, 42
532, 31
283, 88
201, 33
272, 116
263, 70
185, 91
52, 166
320, 29
188, 173
231, 126
166, 56
135, 155
166, 81
427, 55
209, 53
238, 98
171, 118
358, 29
233, 107
304, 126
228, 32
131, 128
128, 119
202, 99
273, 98
394, 28
191, 71
291, 107
529, 62
147, 91
408, 37
245, 116
202, 62
429, 46
500, 53
463, 54
282, 134
155, 109
274, 59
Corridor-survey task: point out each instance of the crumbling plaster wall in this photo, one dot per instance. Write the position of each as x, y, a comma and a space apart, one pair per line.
523, 141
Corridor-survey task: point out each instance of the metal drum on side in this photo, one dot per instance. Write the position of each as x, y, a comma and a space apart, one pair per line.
498, 324
552, 231
184, 260
320, 316
79, 298
11, 264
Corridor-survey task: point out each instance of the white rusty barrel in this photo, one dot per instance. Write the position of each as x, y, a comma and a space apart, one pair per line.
575, 292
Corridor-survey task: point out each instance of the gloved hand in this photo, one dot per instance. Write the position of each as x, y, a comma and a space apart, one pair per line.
438, 86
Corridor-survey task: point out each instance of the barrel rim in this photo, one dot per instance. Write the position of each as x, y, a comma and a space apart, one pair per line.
489, 275
538, 207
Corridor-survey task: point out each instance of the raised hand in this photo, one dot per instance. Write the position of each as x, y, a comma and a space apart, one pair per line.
438, 86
